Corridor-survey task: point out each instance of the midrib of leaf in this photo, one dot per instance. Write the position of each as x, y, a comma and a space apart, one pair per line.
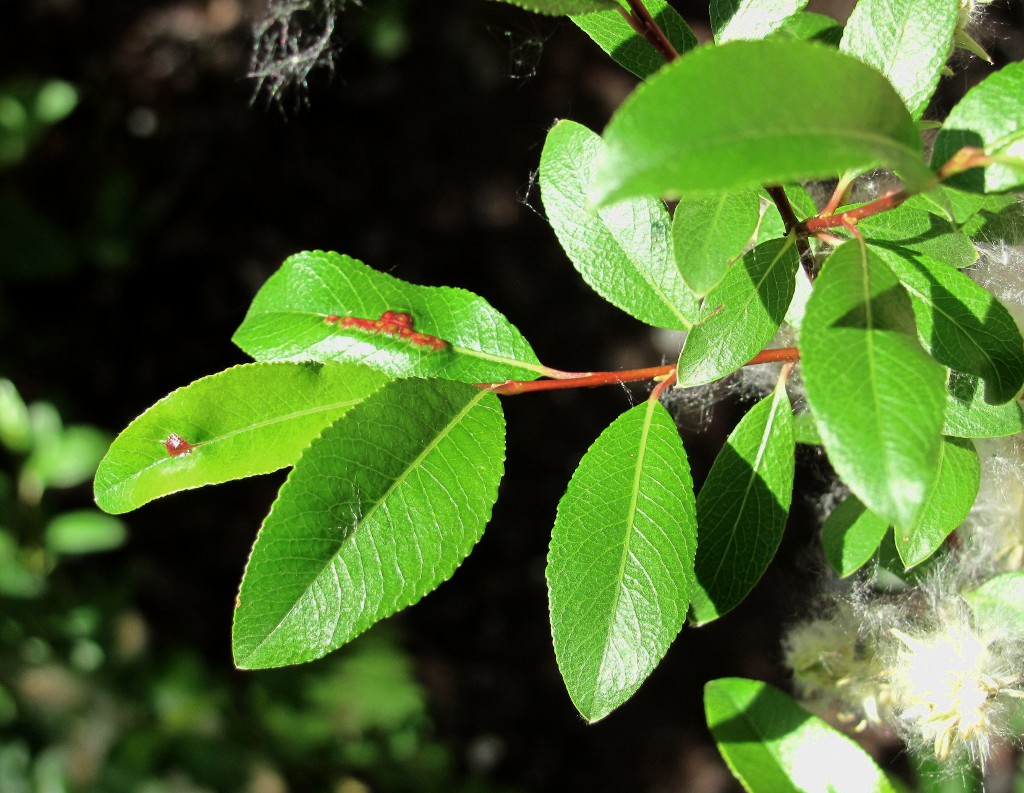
441, 435
133, 479
790, 241
750, 481
529, 367
630, 528
895, 49
724, 141
870, 345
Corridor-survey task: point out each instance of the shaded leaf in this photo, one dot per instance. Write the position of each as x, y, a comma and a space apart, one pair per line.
808, 26
246, 420
961, 324
850, 536
613, 34
707, 234
620, 568
773, 745
379, 510
743, 506
877, 397
624, 252
741, 315
968, 415
675, 136
906, 40
750, 19
990, 116
949, 499
288, 321
921, 225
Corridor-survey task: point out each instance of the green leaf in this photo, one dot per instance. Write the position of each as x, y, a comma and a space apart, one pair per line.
613, 34
676, 136
750, 19
918, 226
15, 426
707, 234
773, 745
741, 314
620, 568
990, 116
850, 535
771, 226
379, 510
84, 531
562, 7
624, 252
288, 322
246, 420
809, 26
906, 40
1002, 597
805, 429
968, 415
878, 398
743, 506
65, 458
949, 499
961, 324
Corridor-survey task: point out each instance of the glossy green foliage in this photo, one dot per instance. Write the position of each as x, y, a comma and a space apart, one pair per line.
741, 314
906, 40
620, 568
750, 19
743, 506
623, 251
379, 510
288, 321
990, 116
612, 33
961, 324
774, 746
878, 398
676, 136
563, 7
968, 415
920, 224
247, 420
707, 234
1002, 596
850, 535
948, 500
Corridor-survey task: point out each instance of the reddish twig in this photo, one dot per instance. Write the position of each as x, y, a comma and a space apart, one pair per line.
657, 391
640, 19
513, 387
790, 221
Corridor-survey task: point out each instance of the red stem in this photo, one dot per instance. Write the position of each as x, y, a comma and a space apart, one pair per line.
640, 19
513, 387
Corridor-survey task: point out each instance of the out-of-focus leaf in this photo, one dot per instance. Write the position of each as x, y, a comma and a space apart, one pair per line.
84, 531
1002, 597
15, 426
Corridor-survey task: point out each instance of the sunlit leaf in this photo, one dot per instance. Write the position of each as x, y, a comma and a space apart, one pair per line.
620, 568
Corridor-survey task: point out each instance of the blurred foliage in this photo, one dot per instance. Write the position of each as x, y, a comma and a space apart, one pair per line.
90, 699
90, 702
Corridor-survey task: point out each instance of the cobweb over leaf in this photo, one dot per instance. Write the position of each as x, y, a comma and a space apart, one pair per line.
291, 40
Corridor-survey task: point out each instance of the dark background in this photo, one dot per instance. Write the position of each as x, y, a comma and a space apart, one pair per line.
176, 194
